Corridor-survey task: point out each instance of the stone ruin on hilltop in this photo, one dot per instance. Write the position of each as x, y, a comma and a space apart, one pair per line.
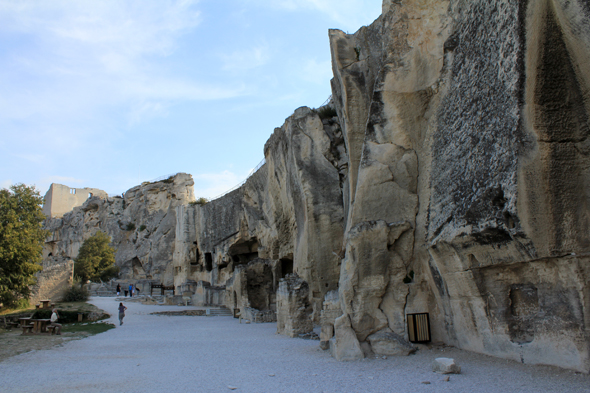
448, 176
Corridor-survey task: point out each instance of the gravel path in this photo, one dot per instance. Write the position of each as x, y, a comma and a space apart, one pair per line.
155, 353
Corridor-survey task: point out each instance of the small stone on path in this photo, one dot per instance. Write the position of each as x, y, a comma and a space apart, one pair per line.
426, 382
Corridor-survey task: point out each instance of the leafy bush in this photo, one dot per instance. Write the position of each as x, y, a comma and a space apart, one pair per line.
326, 112
131, 226
76, 294
201, 201
96, 259
142, 228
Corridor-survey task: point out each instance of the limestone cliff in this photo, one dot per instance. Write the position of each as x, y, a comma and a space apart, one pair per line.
141, 225
450, 179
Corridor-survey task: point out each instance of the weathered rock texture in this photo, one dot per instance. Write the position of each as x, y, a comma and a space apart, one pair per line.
288, 216
453, 180
141, 225
53, 281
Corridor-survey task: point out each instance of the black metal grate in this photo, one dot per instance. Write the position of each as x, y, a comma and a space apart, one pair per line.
418, 327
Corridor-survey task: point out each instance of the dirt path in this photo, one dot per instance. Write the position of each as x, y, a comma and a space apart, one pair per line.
215, 354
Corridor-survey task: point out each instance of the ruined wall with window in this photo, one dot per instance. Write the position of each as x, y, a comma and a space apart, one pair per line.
60, 199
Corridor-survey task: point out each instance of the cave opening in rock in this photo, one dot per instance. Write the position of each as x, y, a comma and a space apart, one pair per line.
137, 267
260, 285
286, 267
243, 252
208, 261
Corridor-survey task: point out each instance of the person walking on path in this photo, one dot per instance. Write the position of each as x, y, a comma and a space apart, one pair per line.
118, 289
130, 290
122, 309
54, 318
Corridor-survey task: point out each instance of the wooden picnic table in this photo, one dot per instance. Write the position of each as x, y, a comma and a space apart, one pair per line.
40, 325
46, 303
24, 321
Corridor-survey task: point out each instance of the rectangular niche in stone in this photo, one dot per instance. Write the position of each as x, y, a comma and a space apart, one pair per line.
418, 327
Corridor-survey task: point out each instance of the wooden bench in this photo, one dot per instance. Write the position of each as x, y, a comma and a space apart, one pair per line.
51, 329
27, 329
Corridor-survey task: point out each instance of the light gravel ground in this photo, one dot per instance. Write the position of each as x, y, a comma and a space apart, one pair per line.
156, 353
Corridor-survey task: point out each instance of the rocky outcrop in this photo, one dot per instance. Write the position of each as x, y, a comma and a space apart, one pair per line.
465, 124
54, 280
447, 176
141, 225
293, 307
289, 214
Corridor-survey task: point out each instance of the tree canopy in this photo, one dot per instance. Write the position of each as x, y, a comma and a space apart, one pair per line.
21, 241
96, 259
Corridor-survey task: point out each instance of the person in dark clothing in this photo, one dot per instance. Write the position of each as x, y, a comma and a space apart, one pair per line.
118, 289
122, 309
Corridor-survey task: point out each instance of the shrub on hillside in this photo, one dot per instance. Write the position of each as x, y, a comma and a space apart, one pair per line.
76, 294
64, 316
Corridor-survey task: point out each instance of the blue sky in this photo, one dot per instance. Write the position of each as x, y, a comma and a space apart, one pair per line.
109, 94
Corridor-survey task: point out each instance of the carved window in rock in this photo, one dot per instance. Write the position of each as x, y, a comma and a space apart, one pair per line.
286, 267
194, 260
208, 261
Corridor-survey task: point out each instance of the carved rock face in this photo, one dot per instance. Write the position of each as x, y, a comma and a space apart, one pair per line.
141, 226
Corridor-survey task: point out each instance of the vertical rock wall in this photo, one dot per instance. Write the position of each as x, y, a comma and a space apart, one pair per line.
465, 124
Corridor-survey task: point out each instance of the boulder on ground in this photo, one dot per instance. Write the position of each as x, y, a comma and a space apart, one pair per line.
445, 366
387, 343
344, 346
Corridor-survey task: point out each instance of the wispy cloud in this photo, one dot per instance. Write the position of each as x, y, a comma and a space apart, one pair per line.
317, 72
5, 184
92, 55
246, 59
211, 185
347, 14
65, 180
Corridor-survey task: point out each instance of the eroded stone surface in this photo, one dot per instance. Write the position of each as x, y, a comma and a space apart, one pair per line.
141, 225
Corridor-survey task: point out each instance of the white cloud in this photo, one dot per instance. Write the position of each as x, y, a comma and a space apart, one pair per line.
246, 59
347, 14
211, 185
65, 180
93, 55
317, 72
34, 158
5, 184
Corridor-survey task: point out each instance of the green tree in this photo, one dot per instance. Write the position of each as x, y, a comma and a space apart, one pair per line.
21, 242
96, 259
